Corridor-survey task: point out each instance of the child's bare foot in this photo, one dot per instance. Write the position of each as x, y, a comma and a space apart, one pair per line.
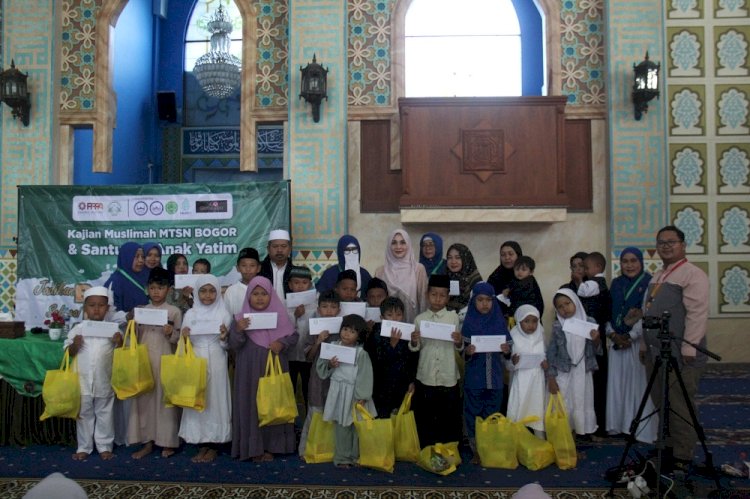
257, 459
80, 456
267, 457
475, 459
344, 466
106, 455
198, 458
167, 452
209, 456
145, 451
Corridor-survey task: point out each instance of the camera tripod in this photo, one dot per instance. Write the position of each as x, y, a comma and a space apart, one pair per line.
664, 365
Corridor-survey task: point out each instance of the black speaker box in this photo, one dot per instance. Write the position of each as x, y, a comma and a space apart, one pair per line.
166, 105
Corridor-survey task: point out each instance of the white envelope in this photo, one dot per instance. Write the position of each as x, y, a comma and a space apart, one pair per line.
436, 330
346, 355
529, 360
578, 327
504, 299
490, 343
320, 324
353, 307
204, 326
185, 280
406, 329
455, 289
98, 329
262, 320
309, 297
150, 316
373, 314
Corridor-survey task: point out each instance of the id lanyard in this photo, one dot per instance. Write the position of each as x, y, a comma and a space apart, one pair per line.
662, 279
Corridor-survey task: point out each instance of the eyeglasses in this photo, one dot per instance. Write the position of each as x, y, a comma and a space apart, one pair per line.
667, 244
351, 251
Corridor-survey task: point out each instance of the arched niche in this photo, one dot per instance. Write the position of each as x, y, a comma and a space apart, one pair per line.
104, 117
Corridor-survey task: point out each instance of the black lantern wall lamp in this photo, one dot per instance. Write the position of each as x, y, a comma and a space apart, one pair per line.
15, 93
314, 86
645, 85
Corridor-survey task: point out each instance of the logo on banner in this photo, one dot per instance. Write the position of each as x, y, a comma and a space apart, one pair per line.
140, 208
156, 208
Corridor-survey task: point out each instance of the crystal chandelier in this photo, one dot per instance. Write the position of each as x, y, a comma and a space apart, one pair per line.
218, 71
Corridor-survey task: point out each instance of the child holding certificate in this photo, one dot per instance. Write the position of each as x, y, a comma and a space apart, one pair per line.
527, 389
95, 423
437, 398
350, 384
572, 360
207, 325
150, 421
483, 383
251, 345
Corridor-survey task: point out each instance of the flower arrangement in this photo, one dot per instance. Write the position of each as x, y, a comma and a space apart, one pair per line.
56, 320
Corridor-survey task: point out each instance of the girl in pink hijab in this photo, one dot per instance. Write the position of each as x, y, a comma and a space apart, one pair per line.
249, 441
406, 278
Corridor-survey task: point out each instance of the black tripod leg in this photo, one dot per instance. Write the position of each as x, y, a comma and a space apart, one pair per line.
696, 425
638, 418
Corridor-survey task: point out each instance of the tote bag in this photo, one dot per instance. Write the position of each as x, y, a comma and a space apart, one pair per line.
559, 434
405, 437
320, 443
275, 397
496, 442
131, 368
184, 377
61, 391
375, 440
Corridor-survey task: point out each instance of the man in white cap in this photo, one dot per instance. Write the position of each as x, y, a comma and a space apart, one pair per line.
94, 345
278, 263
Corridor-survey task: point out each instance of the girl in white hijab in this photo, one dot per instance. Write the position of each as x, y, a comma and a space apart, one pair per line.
406, 278
527, 389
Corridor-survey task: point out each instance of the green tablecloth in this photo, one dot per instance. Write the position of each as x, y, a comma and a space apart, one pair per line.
25, 361
23, 364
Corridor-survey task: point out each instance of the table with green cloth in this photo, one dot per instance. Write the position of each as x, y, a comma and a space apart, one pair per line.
23, 365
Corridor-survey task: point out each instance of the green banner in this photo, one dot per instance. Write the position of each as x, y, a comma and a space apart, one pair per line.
69, 236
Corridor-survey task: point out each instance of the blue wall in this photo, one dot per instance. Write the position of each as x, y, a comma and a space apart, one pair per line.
532, 43
135, 135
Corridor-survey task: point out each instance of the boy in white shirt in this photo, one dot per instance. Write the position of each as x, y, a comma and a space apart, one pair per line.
95, 423
248, 265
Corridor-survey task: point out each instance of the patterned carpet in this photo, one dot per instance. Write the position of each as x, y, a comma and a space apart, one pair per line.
724, 407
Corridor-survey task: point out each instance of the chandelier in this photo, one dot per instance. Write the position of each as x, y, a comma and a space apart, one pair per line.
218, 71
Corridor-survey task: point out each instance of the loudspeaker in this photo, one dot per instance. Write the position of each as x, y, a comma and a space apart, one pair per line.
166, 105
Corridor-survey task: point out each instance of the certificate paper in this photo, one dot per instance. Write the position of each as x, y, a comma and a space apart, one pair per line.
580, 328
262, 320
372, 314
309, 297
185, 280
320, 324
406, 329
483, 344
436, 330
353, 307
205, 326
98, 329
150, 316
529, 360
346, 355
455, 289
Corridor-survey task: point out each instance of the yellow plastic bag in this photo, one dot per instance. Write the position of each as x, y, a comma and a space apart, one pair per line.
440, 458
496, 442
375, 440
532, 451
320, 443
184, 377
61, 391
559, 434
405, 437
131, 368
275, 397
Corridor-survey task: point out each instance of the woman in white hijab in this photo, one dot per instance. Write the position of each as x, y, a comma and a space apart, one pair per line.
527, 389
406, 278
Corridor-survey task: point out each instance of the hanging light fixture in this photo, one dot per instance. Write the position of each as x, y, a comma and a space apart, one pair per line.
645, 85
218, 71
15, 93
313, 83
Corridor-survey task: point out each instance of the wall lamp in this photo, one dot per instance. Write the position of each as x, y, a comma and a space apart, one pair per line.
314, 86
645, 85
14, 92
